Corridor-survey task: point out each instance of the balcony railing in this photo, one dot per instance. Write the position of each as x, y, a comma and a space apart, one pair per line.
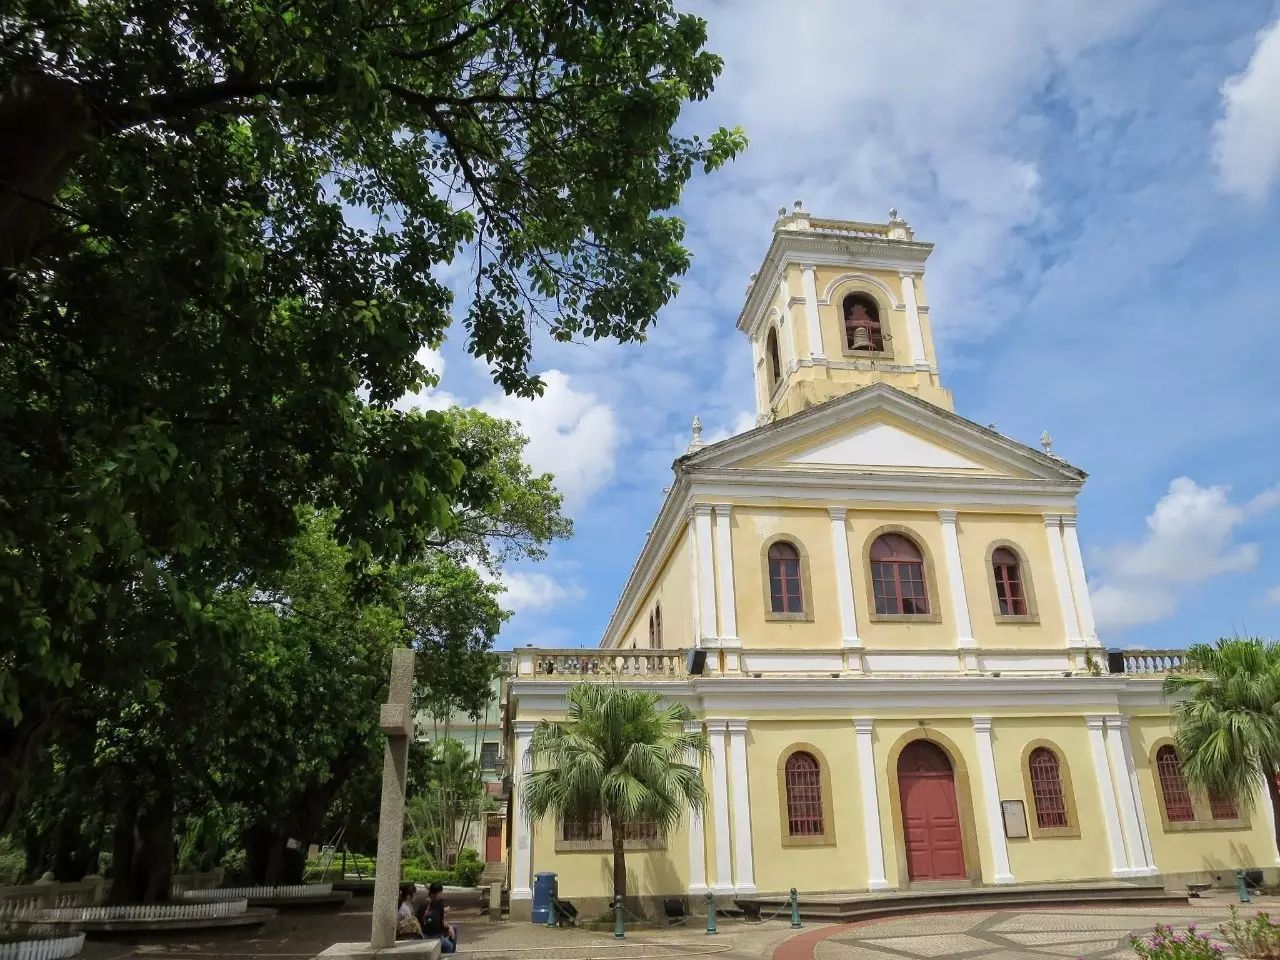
561, 664
1140, 662
849, 228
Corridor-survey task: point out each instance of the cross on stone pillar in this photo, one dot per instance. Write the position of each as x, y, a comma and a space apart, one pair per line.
396, 721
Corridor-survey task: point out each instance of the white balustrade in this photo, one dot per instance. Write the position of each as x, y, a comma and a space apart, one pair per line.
45, 948
1151, 661
561, 664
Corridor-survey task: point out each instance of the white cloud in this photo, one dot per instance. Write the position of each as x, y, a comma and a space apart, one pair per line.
1247, 136
533, 592
572, 435
1191, 537
429, 398
1272, 596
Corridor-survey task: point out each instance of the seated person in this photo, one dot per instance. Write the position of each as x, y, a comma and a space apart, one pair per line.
406, 923
432, 920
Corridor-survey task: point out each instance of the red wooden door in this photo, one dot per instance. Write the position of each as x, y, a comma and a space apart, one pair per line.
930, 815
493, 840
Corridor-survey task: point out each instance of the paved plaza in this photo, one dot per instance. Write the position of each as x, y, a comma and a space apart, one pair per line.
1095, 932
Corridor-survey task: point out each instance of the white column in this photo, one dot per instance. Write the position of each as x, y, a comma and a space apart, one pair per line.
870, 804
811, 311
991, 795
694, 628
1107, 794
720, 808
1268, 809
724, 570
915, 336
697, 834
1143, 859
522, 841
706, 572
1135, 859
1058, 557
744, 879
955, 580
1079, 586
844, 578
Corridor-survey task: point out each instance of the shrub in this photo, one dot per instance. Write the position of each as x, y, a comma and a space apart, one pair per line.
468, 872
411, 873
1164, 944
468, 854
13, 862
1258, 936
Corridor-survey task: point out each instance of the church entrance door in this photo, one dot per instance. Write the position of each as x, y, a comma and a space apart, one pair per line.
493, 840
930, 815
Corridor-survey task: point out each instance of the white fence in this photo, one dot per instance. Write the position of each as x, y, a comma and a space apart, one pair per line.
52, 948
297, 890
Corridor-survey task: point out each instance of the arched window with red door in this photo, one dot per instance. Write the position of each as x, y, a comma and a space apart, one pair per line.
802, 789
786, 584
1178, 807
898, 579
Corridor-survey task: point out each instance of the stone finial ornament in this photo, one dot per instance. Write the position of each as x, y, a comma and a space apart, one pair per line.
1046, 444
696, 442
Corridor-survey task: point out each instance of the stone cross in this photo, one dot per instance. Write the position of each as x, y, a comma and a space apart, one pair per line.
396, 721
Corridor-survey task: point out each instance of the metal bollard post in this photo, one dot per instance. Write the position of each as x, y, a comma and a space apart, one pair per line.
618, 930
1242, 887
795, 910
552, 920
711, 914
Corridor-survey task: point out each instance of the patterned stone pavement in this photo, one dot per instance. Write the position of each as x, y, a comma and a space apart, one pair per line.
1095, 933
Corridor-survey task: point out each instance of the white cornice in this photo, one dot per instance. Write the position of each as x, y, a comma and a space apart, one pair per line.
835, 483
728, 697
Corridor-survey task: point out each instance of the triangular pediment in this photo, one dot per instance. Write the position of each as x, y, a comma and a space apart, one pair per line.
880, 429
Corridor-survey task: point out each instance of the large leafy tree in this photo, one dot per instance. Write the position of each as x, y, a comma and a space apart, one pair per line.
1227, 717
223, 234
621, 756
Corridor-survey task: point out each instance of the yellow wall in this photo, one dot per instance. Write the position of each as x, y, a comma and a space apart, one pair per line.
589, 873
1194, 850
673, 589
840, 866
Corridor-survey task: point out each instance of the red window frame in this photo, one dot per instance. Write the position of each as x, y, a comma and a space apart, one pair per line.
575, 828
1178, 807
869, 322
897, 577
1222, 807
1046, 789
645, 829
786, 593
802, 779
1007, 570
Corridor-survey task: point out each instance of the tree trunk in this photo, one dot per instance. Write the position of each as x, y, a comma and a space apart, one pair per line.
619, 861
44, 126
142, 849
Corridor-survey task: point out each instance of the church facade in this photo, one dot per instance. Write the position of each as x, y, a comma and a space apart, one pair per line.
897, 665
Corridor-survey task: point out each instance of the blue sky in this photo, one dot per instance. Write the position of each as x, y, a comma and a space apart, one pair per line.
1102, 184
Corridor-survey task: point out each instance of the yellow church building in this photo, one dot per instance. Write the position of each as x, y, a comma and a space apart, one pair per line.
893, 649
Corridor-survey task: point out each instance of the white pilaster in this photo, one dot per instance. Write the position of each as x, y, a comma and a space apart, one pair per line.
862, 727
991, 800
1268, 809
1058, 558
744, 879
955, 580
724, 569
695, 627
706, 572
844, 578
522, 842
788, 323
915, 335
1107, 794
723, 882
697, 833
1079, 586
811, 311
1135, 857
1143, 858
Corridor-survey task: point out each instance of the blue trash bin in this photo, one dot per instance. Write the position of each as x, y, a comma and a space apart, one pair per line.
544, 888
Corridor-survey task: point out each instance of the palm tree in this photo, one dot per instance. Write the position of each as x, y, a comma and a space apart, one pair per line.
621, 756
1227, 716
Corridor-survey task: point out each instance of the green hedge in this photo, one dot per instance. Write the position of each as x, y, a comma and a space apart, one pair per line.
465, 874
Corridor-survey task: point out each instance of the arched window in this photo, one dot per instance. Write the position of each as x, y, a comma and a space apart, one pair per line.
773, 361
802, 778
862, 330
1173, 786
785, 593
1046, 789
655, 620
1223, 807
897, 576
1011, 598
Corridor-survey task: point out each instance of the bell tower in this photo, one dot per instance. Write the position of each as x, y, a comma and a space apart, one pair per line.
838, 305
